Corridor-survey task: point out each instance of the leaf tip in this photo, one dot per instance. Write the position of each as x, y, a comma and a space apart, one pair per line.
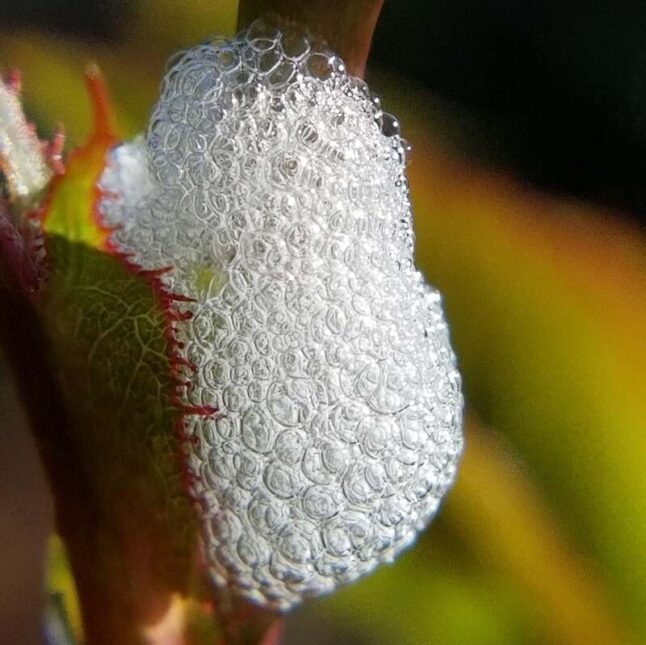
101, 104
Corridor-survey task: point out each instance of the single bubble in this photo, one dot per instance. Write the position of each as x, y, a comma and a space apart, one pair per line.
257, 431
280, 481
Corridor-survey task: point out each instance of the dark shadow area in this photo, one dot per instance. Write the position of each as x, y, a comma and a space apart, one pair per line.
557, 89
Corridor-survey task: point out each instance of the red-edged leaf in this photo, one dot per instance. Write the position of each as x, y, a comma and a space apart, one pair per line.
72, 207
122, 511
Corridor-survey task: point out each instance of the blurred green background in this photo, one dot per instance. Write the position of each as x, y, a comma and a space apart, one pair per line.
528, 125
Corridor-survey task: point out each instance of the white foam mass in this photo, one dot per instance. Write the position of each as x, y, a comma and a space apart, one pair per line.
273, 184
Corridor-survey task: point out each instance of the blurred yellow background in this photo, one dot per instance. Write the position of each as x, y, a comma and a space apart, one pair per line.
542, 539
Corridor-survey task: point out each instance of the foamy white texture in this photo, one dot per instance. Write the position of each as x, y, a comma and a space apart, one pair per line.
274, 185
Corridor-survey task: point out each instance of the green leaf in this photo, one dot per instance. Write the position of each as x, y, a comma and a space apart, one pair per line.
128, 525
71, 210
62, 615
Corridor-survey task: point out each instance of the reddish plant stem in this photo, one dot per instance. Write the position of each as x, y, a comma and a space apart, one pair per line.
347, 25
25, 349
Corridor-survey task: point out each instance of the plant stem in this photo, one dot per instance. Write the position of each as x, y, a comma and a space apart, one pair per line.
347, 25
26, 351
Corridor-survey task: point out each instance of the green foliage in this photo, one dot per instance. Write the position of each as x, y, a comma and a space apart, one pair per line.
106, 331
62, 617
114, 458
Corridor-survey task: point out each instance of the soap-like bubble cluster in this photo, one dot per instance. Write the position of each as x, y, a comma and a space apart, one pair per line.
276, 189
